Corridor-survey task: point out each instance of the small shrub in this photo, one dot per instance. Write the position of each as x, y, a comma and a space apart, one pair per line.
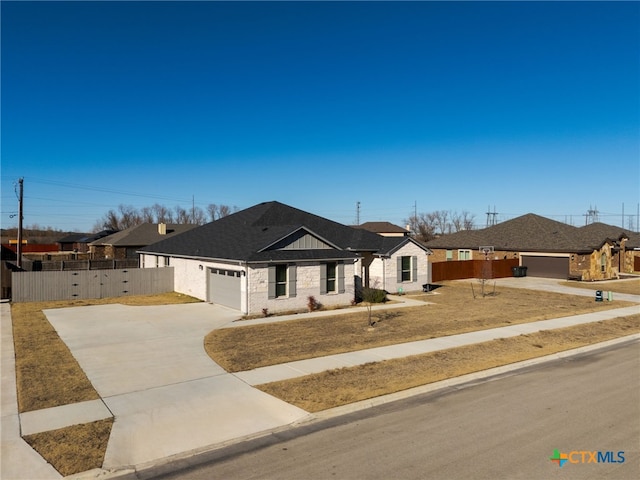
374, 295
312, 303
265, 312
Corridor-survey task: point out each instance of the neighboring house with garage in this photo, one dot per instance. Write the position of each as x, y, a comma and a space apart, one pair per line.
272, 257
126, 243
546, 247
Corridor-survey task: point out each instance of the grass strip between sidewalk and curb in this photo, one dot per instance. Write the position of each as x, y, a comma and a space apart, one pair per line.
73, 449
338, 387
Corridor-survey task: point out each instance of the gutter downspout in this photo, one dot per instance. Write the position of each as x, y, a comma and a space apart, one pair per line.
246, 288
384, 273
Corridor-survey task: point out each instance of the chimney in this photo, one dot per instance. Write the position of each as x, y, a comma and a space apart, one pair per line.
162, 228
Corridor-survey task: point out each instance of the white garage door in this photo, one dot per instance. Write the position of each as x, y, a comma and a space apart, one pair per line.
224, 287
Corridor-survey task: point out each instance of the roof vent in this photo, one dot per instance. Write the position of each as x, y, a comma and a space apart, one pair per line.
162, 228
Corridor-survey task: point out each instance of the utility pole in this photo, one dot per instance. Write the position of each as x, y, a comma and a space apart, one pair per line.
20, 198
358, 213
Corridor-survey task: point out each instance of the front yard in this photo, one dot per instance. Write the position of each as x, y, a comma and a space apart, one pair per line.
48, 375
453, 310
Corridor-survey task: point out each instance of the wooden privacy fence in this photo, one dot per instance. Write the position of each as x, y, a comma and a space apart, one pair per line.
102, 264
82, 284
460, 269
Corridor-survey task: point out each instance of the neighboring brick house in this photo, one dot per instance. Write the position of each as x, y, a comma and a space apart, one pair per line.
79, 242
546, 247
273, 257
126, 243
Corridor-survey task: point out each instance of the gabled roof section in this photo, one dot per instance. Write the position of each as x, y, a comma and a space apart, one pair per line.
392, 244
534, 233
244, 236
142, 235
382, 227
86, 237
301, 239
74, 238
596, 234
528, 232
634, 241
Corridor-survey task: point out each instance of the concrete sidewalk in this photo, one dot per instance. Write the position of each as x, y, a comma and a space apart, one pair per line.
320, 364
17, 459
169, 399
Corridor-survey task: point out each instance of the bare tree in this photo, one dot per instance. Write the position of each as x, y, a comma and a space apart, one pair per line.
212, 210
216, 212
223, 211
422, 226
129, 216
426, 226
162, 213
181, 215
147, 215
198, 216
110, 221
440, 220
467, 220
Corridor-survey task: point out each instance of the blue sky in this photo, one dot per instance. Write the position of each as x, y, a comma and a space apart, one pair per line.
528, 107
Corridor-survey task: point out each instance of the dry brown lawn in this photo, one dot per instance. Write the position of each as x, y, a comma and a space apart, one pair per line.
630, 286
454, 310
74, 449
333, 388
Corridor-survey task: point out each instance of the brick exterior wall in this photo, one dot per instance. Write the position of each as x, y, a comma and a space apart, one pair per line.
383, 272
191, 280
307, 284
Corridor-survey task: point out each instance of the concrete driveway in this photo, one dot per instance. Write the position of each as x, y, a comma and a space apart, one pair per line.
167, 396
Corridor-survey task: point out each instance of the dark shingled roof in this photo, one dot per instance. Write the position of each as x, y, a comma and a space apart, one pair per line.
534, 233
597, 233
247, 235
86, 237
142, 235
382, 227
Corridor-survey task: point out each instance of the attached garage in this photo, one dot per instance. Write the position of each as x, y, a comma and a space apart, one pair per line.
546, 266
224, 287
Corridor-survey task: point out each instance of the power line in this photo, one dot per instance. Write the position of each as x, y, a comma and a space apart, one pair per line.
105, 190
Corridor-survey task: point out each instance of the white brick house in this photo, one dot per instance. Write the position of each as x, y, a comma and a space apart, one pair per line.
273, 257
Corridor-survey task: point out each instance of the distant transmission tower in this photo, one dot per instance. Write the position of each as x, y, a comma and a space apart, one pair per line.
357, 213
491, 216
592, 215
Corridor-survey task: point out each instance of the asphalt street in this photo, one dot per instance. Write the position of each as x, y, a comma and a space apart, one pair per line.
503, 428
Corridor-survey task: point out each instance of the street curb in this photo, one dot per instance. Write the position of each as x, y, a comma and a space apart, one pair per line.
197, 457
463, 379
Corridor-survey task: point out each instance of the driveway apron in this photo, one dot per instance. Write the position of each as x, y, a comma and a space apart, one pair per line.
167, 396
